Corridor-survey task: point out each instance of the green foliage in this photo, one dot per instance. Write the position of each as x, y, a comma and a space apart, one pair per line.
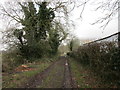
36, 26
103, 58
71, 45
11, 59
56, 35
40, 36
54, 43
37, 50
45, 16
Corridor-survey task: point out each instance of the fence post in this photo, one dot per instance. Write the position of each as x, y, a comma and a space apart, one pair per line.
119, 39
119, 24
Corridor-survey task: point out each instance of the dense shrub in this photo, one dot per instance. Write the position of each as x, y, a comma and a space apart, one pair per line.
71, 54
102, 57
37, 50
11, 59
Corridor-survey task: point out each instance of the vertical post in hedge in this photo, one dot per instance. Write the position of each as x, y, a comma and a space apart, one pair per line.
119, 39
119, 24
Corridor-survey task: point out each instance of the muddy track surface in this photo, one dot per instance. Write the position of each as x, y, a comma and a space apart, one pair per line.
57, 75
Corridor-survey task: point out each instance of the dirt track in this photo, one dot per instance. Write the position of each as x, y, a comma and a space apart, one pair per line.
57, 75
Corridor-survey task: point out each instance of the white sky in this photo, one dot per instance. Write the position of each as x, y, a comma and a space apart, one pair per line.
83, 28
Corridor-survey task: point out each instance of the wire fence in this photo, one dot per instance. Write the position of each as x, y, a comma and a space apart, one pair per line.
102, 56
112, 38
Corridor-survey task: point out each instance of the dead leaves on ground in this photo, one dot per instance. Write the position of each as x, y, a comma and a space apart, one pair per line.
23, 68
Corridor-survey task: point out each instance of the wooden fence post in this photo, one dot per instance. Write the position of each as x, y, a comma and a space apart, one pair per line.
119, 24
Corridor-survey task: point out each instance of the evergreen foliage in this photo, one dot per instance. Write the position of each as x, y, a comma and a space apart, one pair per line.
39, 36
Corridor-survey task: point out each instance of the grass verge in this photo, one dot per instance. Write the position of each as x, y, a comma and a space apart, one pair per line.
78, 74
17, 79
85, 78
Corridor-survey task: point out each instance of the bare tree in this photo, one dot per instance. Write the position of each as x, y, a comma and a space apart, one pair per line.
13, 11
110, 8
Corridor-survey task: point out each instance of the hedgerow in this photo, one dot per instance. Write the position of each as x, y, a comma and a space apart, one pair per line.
103, 58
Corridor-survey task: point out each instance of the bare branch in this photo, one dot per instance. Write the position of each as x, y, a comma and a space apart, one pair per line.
8, 14
109, 7
83, 8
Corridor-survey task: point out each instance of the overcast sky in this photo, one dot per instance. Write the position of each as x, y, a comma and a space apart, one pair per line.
83, 27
